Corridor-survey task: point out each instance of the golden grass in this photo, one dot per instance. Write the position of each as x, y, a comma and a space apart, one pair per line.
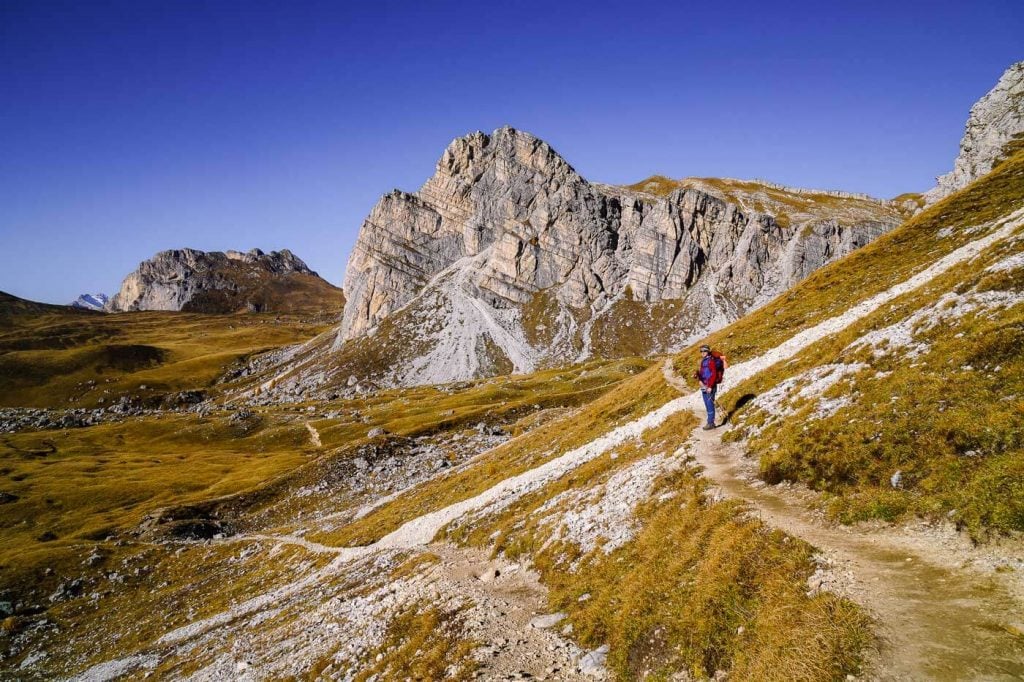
626, 400
174, 586
700, 588
76, 487
48, 359
422, 643
954, 434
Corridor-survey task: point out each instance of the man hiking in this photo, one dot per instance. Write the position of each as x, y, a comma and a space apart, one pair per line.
709, 374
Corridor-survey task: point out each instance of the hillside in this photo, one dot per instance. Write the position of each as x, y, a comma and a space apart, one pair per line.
559, 524
200, 282
64, 357
868, 416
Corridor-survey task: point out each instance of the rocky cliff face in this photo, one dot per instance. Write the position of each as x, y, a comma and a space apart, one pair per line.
507, 259
215, 282
995, 120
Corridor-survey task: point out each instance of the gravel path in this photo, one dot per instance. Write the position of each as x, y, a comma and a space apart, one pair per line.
935, 619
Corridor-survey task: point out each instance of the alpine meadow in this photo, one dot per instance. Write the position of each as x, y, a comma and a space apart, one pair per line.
486, 454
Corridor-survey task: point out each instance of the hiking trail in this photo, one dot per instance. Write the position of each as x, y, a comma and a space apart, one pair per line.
935, 619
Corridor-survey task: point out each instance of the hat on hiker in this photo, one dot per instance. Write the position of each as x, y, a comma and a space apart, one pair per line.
705, 347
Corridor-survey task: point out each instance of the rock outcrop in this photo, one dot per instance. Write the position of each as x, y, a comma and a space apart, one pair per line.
216, 282
995, 120
505, 221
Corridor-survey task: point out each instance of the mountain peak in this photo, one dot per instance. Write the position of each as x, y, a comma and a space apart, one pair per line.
996, 120
506, 227
90, 301
466, 154
200, 281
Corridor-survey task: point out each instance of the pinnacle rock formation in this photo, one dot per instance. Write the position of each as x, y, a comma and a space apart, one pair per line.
216, 282
995, 120
506, 227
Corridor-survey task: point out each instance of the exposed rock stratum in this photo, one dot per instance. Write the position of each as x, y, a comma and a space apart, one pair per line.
995, 120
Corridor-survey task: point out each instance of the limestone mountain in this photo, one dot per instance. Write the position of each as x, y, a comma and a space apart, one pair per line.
508, 260
215, 282
996, 120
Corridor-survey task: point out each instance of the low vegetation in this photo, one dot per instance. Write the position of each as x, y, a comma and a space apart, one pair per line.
70, 491
944, 412
623, 402
699, 588
422, 643
60, 357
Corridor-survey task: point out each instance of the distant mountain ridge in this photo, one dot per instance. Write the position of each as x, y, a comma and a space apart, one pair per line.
225, 282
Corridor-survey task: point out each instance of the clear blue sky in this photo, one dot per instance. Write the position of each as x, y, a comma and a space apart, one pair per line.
129, 128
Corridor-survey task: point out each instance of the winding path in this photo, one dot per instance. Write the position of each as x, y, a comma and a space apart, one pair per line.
934, 621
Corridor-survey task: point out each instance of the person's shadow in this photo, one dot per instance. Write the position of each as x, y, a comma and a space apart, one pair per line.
743, 401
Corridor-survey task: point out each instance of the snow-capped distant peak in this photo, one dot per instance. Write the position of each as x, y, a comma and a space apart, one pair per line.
90, 301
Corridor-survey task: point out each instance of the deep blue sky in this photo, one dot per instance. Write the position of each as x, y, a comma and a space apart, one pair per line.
128, 128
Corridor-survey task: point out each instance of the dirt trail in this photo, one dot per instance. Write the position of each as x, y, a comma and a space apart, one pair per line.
314, 436
935, 620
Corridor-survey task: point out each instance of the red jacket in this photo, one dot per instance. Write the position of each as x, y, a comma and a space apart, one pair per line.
711, 369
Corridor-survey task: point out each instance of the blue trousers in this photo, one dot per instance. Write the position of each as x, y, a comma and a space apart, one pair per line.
709, 403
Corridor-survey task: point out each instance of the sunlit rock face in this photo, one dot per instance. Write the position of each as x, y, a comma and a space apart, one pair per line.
995, 120
523, 221
199, 281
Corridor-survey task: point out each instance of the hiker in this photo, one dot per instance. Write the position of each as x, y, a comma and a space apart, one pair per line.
709, 374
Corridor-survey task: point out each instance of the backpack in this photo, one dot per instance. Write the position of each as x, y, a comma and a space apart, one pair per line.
720, 364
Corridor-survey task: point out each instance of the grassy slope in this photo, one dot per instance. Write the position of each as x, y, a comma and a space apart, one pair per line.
676, 596
626, 400
954, 434
700, 587
48, 356
88, 490
75, 488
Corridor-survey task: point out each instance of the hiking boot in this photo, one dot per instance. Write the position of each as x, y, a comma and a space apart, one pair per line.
708, 427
